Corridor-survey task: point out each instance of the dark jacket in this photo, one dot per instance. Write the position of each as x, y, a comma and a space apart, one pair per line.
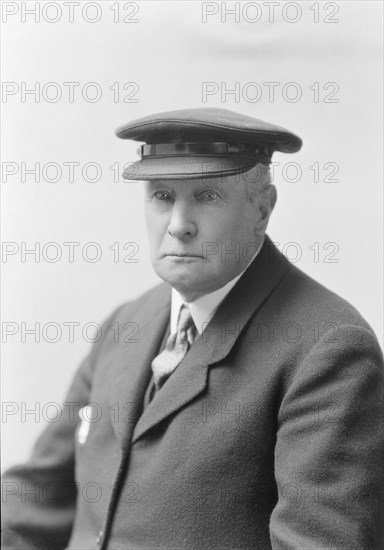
267, 435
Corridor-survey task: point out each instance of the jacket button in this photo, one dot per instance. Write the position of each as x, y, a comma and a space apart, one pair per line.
99, 537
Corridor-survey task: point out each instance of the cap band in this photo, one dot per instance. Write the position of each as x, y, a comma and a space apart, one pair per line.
201, 148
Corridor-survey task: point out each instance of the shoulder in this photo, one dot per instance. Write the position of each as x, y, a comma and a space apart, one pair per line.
313, 301
335, 339
303, 324
127, 316
144, 305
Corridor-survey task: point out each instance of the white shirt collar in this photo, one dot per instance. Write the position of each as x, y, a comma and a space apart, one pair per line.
203, 309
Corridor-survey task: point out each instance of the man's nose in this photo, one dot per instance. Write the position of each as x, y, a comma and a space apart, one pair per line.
181, 224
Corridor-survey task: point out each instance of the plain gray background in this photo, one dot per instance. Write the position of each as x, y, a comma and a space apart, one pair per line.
169, 53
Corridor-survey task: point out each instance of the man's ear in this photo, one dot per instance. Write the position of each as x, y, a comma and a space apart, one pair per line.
272, 196
266, 209
268, 204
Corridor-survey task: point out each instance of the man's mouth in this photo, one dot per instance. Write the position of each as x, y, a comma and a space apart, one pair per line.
183, 255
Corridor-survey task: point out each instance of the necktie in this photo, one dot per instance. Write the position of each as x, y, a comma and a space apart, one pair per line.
175, 350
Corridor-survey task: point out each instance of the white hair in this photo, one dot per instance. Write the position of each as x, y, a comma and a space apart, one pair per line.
257, 182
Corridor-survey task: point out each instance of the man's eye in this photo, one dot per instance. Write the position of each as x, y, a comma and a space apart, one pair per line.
210, 196
162, 195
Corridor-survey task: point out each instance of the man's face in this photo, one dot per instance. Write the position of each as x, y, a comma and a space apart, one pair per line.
202, 233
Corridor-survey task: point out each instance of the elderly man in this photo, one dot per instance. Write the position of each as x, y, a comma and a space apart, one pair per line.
241, 410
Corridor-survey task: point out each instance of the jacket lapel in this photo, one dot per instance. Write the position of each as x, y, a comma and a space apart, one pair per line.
130, 373
214, 344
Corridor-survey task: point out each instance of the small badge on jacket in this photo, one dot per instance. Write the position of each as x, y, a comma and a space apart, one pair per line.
86, 415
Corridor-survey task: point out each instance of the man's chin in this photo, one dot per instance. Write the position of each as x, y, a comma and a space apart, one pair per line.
192, 275
186, 275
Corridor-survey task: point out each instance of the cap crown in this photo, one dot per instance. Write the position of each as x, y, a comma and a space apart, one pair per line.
209, 125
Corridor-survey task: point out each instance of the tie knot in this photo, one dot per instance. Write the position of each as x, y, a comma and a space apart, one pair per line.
185, 321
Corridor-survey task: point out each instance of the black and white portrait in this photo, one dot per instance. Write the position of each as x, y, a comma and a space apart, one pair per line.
192, 275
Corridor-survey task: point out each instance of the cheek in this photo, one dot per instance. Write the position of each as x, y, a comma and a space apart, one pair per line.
156, 226
235, 236
226, 229
241, 226
152, 218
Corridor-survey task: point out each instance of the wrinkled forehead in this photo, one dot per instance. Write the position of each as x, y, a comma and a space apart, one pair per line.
225, 184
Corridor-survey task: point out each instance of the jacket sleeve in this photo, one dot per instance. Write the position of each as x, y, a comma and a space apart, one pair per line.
39, 497
329, 449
